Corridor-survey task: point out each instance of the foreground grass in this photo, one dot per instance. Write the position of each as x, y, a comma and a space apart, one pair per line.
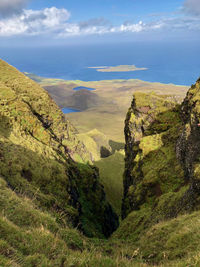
32, 237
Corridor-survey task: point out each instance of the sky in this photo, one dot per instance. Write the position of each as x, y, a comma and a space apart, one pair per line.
61, 21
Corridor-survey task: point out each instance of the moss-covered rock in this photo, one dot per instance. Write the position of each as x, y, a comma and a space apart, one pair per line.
188, 144
161, 179
151, 167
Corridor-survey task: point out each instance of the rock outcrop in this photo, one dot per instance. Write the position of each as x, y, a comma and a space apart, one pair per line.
161, 204
162, 155
151, 168
188, 146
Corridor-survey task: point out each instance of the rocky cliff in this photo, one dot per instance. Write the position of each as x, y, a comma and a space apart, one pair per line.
151, 168
188, 144
161, 179
161, 204
41, 157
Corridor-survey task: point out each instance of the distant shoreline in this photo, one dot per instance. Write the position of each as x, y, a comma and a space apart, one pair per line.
47, 80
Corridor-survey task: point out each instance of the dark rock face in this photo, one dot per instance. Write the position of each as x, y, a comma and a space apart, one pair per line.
148, 132
104, 152
188, 145
189, 141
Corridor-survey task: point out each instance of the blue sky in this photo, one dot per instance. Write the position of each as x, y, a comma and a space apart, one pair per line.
58, 21
114, 10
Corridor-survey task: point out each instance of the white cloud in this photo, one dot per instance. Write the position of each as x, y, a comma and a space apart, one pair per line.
185, 24
10, 7
94, 22
55, 23
35, 22
99, 29
55, 20
138, 27
192, 7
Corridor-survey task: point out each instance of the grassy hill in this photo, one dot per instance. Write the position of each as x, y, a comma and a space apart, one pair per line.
45, 166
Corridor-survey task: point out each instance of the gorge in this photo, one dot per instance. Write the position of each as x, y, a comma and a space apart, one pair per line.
53, 206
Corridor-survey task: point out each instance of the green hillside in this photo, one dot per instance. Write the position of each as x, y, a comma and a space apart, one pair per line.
43, 161
53, 207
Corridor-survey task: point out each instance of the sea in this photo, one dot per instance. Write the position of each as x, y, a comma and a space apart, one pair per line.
177, 63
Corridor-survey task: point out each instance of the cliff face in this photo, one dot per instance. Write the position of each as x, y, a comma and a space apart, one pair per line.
162, 155
41, 157
188, 144
151, 168
161, 204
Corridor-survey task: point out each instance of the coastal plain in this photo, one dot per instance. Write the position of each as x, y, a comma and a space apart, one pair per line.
105, 107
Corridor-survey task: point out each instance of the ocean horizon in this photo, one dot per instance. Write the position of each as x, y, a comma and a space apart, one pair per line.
167, 63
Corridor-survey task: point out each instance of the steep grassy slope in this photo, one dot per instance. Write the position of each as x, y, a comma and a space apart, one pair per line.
42, 158
111, 176
108, 156
97, 143
30, 237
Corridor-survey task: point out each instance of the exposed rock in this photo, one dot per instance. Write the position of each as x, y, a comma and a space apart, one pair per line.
151, 128
162, 155
188, 144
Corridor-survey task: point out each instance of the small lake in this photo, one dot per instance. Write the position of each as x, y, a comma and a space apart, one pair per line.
83, 88
69, 110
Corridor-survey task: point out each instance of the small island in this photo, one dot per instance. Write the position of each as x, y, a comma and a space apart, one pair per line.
120, 68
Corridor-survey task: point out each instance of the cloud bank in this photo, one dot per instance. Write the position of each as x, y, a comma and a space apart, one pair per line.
192, 7
56, 22
53, 20
32, 22
11, 7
